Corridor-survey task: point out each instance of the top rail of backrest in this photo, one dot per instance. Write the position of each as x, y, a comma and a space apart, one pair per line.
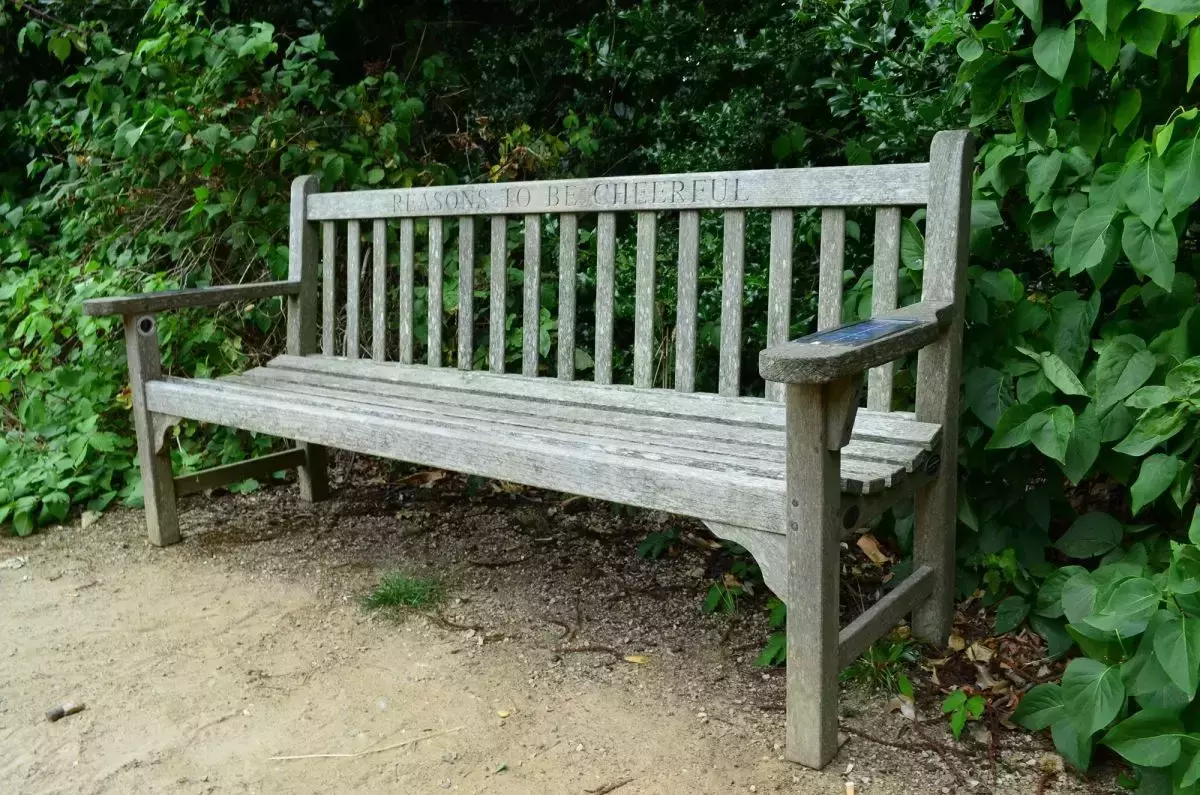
835, 186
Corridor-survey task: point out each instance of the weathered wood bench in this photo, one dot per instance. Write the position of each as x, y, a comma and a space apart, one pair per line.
784, 477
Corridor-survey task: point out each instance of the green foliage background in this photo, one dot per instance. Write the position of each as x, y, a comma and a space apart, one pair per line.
150, 147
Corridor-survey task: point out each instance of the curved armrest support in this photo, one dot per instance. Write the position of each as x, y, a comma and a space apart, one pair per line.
847, 350
163, 300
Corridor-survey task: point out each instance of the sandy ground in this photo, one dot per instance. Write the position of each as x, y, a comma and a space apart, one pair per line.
200, 663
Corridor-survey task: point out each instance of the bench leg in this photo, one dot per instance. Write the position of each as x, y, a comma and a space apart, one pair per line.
313, 474
158, 485
935, 522
813, 532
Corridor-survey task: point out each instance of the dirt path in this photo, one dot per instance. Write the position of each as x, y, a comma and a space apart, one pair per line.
200, 663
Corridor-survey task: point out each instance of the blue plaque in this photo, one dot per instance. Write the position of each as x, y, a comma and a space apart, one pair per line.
860, 332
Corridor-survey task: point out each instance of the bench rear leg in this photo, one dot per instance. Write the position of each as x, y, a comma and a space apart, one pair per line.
158, 483
813, 532
313, 474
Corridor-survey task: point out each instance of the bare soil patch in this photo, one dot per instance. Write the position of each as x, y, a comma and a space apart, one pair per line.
201, 662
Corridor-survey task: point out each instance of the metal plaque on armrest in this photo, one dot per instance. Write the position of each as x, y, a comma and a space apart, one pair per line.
860, 332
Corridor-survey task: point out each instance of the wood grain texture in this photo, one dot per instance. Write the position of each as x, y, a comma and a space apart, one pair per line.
407, 275
498, 291
466, 292
779, 290
379, 291
328, 288
813, 530
434, 294
838, 186
568, 247
833, 264
353, 303
804, 361
606, 248
686, 302
733, 265
531, 312
262, 467
743, 412
643, 296
313, 477
880, 618
167, 300
154, 460
884, 296
939, 370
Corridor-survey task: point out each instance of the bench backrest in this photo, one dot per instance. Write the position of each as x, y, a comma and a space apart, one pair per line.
341, 220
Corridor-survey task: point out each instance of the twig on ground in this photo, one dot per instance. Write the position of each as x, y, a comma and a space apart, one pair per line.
356, 754
608, 787
497, 564
441, 619
587, 649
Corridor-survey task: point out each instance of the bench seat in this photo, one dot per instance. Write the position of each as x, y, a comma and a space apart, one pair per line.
708, 456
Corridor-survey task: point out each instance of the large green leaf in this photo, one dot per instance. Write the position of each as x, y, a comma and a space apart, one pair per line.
1181, 185
1091, 237
988, 393
1155, 477
1097, 12
1052, 50
1128, 608
1104, 49
1129, 103
1042, 171
1050, 431
1012, 429
1092, 693
1090, 536
1010, 613
1124, 365
1150, 738
1193, 45
1142, 184
1177, 646
1074, 747
1084, 446
1185, 7
1049, 598
1145, 29
1154, 427
1152, 250
1183, 577
1040, 707
1033, 10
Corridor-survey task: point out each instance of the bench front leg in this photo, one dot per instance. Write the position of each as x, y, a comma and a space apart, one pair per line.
158, 486
815, 417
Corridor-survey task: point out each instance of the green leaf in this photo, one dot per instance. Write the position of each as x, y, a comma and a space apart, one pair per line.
1052, 50
375, 176
1049, 598
912, 245
1054, 632
1033, 10
1156, 475
1177, 646
1124, 365
1194, 527
1061, 375
1050, 431
1012, 429
1104, 49
1142, 188
59, 47
1154, 427
1084, 446
988, 394
1090, 536
1145, 28
1193, 57
1097, 12
1010, 613
1183, 577
1181, 187
1184, 7
1039, 708
1092, 693
1149, 738
1129, 102
1090, 237
1042, 171
1075, 748
1149, 397
1128, 609
969, 49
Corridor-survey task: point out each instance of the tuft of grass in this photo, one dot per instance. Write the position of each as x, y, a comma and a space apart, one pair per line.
883, 665
397, 589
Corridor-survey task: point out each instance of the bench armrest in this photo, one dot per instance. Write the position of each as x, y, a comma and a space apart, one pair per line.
829, 355
149, 303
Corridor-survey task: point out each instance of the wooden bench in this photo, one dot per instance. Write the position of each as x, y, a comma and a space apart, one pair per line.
785, 477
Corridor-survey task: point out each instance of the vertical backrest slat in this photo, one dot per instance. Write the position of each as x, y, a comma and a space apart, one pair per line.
884, 291
606, 253
568, 243
498, 287
379, 291
434, 294
466, 290
328, 287
733, 256
833, 255
406, 291
643, 317
531, 312
685, 309
353, 262
779, 290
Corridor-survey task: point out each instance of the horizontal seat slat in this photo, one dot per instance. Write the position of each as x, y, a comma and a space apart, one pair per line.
879, 466
726, 496
898, 427
832, 186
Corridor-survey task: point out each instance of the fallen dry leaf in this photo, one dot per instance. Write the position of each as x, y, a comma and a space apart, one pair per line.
870, 547
637, 659
425, 479
979, 653
957, 643
904, 706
